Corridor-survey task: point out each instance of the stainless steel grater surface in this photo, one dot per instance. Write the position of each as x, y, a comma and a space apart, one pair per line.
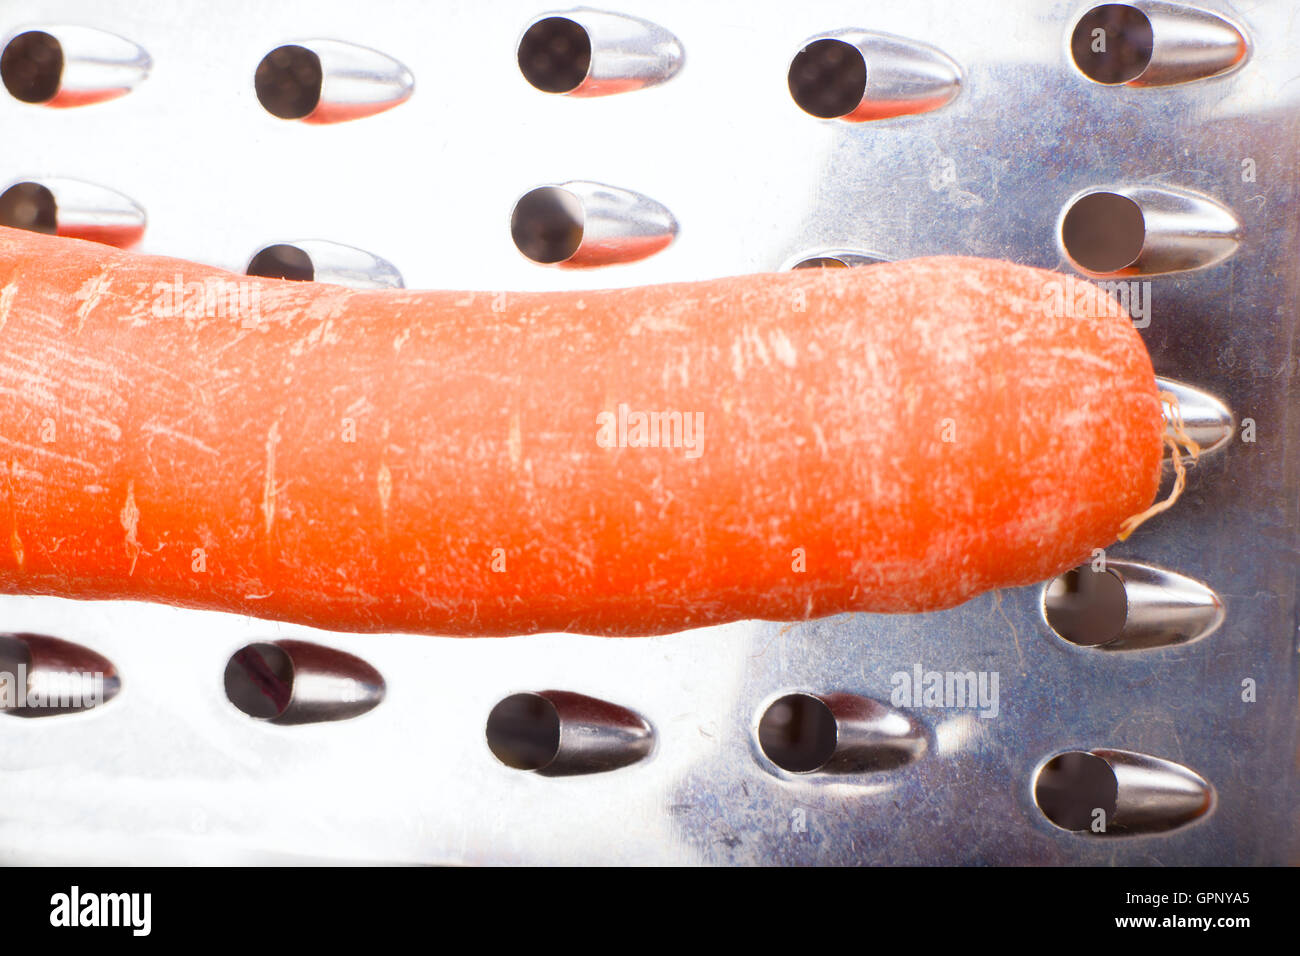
171, 771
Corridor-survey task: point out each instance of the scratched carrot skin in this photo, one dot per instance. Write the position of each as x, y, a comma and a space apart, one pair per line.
896, 438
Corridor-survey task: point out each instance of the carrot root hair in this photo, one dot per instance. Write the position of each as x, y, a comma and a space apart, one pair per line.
1179, 441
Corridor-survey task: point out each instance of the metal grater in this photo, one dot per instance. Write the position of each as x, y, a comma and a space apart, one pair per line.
169, 771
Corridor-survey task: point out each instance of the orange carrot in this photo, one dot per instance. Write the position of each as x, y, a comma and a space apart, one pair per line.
634, 461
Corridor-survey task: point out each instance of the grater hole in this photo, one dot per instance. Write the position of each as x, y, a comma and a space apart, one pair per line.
547, 224
282, 261
1087, 607
29, 206
555, 55
828, 78
45, 676
523, 731
1071, 787
1112, 43
834, 259
821, 262
288, 82
32, 67
259, 681
798, 733
1103, 232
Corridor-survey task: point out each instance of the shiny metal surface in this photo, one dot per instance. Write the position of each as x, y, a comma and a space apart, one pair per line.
833, 258
1206, 419
1154, 795
318, 684
626, 53
611, 225
869, 736
170, 771
96, 65
355, 82
42, 676
903, 76
589, 735
87, 211
1189, 43
1118, 793
343, 265
1183, 230
1161, 608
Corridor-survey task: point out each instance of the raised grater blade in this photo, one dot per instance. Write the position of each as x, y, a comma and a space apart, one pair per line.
425, 135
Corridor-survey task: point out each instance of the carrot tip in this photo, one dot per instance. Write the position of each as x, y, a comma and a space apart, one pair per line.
1178, 442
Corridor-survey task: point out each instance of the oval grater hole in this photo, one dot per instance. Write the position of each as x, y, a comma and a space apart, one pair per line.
834, 259
288, 82
798, 733
282, 261
820, 262
1073, 786
1112, 43
32, 67
29, 206
1087, 607
259, 680
555, 55
828, 78
1103, 232
523, 731
44, 676
547, 224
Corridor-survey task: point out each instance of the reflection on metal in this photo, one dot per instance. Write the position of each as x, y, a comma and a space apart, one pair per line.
44, 676
838, 734
896, 77
558, 733
74, 210
593, 53
1154, 795
319, 260
1146, 795
1206, 419
1188, 44
833, 259
1151, 608
298, 682
330, 81
68, 65
581, 225
1182, 230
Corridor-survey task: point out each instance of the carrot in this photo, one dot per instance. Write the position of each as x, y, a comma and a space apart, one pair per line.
633, 461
